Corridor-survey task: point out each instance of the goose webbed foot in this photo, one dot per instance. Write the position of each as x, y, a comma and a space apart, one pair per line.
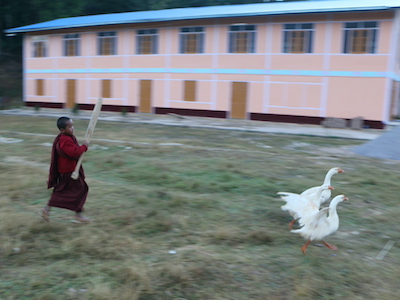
304, 248
291, 224
332, 247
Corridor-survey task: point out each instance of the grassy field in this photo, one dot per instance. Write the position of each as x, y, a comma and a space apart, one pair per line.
192, 214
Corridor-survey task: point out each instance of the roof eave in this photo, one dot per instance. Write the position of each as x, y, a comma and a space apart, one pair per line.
308, 11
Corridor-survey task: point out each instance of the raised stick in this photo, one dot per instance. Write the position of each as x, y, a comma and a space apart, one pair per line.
88, 136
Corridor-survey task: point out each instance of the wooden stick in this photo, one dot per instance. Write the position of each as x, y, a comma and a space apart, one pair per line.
88, 135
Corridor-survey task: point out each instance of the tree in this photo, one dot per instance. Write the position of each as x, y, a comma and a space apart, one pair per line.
24, 12
54, 9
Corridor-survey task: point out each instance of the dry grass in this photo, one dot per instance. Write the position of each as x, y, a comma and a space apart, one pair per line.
200, 220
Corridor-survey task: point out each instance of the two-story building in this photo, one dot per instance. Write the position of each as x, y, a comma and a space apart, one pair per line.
290, 61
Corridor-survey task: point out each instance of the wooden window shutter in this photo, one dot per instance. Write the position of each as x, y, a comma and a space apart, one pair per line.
106, 88
39, 87
360, 41
241, 42
70, 51
298, 42
107, 46
40, 49
191, 43
146, 44
190, 90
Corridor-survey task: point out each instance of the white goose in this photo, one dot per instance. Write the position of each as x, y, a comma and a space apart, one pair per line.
312, 192
319, 225
300, 206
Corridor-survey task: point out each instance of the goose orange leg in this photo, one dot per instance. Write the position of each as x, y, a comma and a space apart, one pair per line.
332, 247
304, 248
291, 224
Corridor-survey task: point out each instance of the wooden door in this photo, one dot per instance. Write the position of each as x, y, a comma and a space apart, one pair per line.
39, 87
71, 93
190, 90
106, 88
239, 99
145, 96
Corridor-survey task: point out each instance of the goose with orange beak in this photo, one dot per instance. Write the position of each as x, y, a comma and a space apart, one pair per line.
326, 195
321, 224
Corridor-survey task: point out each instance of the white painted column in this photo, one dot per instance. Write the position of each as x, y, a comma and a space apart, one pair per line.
393, 69
327, 66
268, 64
167, 76
215, 56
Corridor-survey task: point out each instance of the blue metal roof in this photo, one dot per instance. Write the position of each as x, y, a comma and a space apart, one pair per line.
223, 11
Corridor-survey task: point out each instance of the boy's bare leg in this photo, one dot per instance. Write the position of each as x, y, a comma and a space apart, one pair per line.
45, 213
81, 217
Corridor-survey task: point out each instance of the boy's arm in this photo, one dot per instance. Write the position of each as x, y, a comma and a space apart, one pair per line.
71, 149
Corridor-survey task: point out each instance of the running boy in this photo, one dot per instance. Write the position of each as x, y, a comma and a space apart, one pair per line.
67, 193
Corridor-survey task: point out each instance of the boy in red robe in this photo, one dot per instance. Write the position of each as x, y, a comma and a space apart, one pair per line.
67, 193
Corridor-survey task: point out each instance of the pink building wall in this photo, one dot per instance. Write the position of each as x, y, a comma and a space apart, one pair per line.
296, 92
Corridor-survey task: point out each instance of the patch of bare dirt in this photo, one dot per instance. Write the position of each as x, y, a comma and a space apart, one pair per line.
20, 160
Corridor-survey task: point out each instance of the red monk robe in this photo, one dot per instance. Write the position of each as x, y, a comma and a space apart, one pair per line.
67, 193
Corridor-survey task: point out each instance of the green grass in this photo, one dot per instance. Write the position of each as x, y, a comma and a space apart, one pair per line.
211, 197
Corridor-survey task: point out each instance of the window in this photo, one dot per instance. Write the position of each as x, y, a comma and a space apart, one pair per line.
39, 87
107, 43
106, 88
190, 90
147, 41
191, 40
360, 37
39, 46
242, 38
298, 38
72, 44
40, 49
